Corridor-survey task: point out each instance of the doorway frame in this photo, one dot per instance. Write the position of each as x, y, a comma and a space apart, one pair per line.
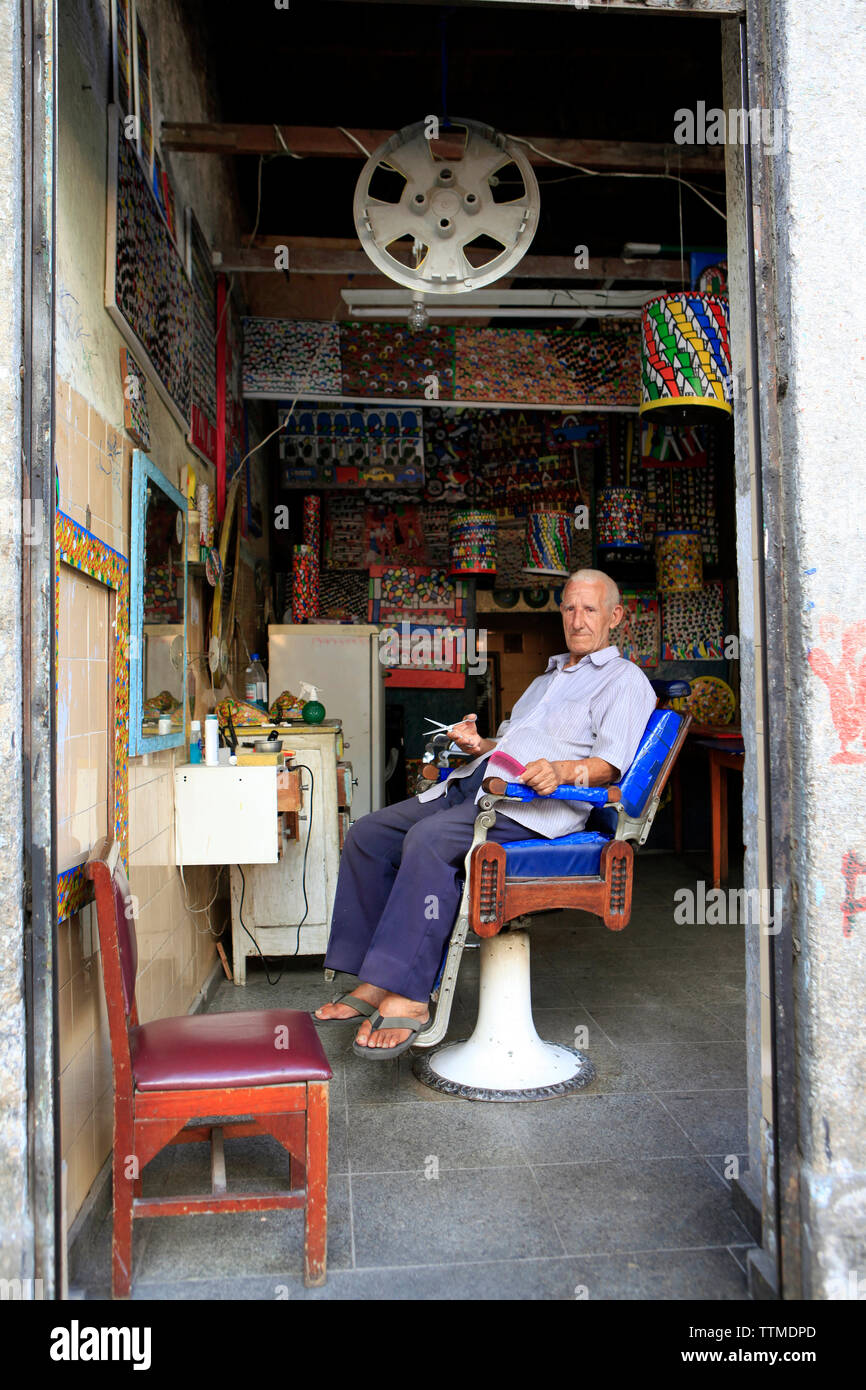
776, 1270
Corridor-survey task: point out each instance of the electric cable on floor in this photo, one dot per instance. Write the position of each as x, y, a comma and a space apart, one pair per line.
264, 959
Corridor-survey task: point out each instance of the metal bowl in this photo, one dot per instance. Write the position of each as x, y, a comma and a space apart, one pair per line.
268, 745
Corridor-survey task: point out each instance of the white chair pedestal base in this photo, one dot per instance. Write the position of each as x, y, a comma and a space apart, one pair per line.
505, 1059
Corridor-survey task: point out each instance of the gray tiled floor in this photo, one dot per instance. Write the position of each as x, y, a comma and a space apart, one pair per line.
618, 1192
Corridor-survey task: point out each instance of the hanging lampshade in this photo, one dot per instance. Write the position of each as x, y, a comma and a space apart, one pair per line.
679, 562
685, 356
472, 541
547, 543
619, 518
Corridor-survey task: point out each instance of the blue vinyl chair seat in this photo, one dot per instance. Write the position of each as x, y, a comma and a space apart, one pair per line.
576, 854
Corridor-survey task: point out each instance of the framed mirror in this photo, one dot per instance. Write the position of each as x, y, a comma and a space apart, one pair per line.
157, 611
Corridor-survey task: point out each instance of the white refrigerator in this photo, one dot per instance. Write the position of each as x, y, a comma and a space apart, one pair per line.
342, 661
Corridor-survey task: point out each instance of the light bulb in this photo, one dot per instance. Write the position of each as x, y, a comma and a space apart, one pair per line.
418, 317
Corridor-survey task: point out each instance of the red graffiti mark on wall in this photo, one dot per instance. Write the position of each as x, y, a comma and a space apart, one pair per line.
846, 682
852, 869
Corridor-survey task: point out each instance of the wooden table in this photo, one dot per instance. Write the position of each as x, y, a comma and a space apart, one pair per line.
726, 753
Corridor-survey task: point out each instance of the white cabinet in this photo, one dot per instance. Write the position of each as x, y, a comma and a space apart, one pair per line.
225, 815
268, 898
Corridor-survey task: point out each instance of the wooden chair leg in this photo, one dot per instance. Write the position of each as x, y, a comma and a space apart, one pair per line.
716, 802
123, 1186
316, 1206
723, 824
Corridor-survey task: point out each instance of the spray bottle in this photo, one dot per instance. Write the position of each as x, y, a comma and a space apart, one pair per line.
313, 711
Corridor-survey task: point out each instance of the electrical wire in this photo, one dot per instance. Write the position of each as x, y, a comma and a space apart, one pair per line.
206, 909
615, 174
350, 136
262, 956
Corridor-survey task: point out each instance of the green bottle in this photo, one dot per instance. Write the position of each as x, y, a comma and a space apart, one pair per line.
313, 711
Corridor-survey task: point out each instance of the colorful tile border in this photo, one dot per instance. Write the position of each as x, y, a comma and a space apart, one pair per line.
82, 550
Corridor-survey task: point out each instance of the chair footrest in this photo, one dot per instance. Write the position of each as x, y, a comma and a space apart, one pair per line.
202, 1205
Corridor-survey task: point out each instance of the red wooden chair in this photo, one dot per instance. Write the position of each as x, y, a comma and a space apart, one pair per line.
241, 1073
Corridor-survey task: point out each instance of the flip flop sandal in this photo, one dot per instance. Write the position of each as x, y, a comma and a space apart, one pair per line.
416, 1025
364, 1009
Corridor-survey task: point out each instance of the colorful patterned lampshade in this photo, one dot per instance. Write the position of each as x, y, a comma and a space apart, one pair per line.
472, 541
679, 562
547, 543
685, 356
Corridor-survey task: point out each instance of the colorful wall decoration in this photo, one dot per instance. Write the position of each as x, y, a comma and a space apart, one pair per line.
147, 292
80, 548
519, 364
394, 533
415, 594
230, 358
136, 418
384, 359
291, 357
693, 624
364, 447
203, 407
424, 612
638, 636
143, 107
122, 15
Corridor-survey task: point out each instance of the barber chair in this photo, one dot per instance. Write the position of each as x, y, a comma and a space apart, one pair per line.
590, 869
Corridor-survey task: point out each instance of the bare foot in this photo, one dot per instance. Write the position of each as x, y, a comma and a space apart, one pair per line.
370, 993
392, 1006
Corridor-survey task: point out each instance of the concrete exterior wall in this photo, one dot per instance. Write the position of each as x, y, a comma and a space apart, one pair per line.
15, 1233
816, 53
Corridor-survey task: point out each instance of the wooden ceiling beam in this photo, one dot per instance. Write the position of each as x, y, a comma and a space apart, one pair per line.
310, 260
322, 142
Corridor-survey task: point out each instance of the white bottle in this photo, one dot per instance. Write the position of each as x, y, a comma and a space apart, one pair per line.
255, 681
211, 741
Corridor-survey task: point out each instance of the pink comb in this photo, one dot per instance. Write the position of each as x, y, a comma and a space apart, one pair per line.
505, 760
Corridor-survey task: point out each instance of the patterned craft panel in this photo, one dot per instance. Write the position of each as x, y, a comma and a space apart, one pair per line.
394, 533
411, 593
507, 364
387, 360
80, 548
526, 364
352, 448
122, 35
343, 534
291, 356
425, 655
693, 624
604, 367
230, 324
450, 449
136, 417
203, 281
151, 290
637, 636
344, 593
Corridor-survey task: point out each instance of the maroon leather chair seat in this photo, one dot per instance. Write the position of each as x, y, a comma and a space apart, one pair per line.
228, 1049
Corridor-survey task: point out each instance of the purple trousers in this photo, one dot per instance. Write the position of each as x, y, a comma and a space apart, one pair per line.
399, 887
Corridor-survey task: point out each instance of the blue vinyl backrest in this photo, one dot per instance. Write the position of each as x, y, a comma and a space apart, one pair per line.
658, 739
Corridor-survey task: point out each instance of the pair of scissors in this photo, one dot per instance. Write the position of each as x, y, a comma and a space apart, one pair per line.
437, 727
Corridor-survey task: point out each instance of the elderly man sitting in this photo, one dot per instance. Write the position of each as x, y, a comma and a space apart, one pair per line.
399, 890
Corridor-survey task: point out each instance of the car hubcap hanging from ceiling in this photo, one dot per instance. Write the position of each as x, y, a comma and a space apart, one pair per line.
446, 207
